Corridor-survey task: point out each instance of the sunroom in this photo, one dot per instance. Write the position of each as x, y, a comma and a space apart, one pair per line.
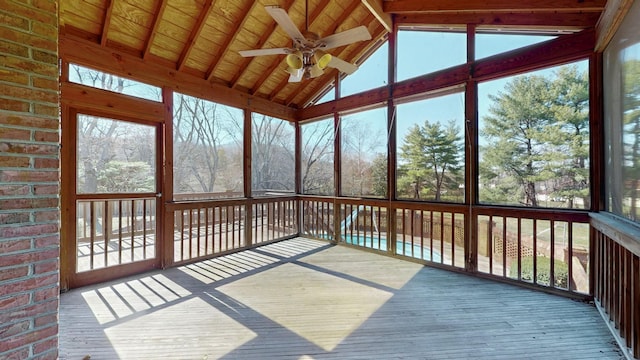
216, 148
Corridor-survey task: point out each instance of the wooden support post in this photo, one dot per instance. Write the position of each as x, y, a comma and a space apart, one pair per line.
391, 137
247, 175
165, 189
471, 158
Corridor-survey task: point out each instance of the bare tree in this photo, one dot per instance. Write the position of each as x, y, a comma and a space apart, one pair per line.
317, 158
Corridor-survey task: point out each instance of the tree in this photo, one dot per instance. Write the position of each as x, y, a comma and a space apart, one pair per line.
631, 131
379, 176
360, 145
514, 129
317, 158
207, 148
431, 158
272, 158
537, 135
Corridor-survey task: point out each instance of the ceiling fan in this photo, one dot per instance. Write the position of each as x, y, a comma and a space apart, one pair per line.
306, 58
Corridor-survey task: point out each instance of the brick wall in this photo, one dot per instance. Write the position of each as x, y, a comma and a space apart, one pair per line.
29, 179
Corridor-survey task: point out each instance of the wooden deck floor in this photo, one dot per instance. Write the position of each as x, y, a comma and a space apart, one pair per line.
305, 299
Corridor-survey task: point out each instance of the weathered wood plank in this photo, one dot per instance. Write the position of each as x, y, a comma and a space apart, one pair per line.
307, 299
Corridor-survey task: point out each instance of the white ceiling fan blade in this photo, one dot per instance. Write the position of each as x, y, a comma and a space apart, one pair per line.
359, 33
258, 52
282, 18
342, 65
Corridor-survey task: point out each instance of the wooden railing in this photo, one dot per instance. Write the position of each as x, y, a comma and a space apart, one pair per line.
363, 223
203, 229
317, 217
541, 247
434, 233
616, 277
274, 219
114, 231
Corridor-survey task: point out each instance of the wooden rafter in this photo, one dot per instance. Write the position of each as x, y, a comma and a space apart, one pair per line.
493, 6
274, 64
375, 7
195, 32
610, 20
234, 30
105, 23
159, 12
263, 39
555, 21
345, 14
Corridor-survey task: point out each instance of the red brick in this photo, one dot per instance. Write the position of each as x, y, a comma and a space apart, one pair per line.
47, 345
31, 311
14, 302
45, 57
13, 76
29, 121
46, 5
48, 241
19, 354
27, 93
45, 83
47, 136
42, 321
14, 161
28, 176
49, 355
10, 246
13, 49
14, 273
27, 257
13, 218
46, 267
14, 329
14, 134
44, 30
28, 284
14, 21
36, 203
45, 110
46, 216
46, 189
28, 338
11, 190
21, 37
11, 147
46, 163
45, 294
27, 65
13, 105
29, 12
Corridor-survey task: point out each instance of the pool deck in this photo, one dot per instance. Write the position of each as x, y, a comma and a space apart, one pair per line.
306, 299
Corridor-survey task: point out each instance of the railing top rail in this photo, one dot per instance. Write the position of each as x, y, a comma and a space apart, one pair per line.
533, 213
620, 231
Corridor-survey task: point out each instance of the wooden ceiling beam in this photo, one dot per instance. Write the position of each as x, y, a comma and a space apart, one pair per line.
439, 6
195, 33
559, 21
159, 12
106, 21
345, 14
234, 30
278, 59
85, 53
375, 7
242, 67
609, 21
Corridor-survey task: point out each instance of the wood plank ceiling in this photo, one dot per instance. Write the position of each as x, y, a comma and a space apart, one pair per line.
202, 37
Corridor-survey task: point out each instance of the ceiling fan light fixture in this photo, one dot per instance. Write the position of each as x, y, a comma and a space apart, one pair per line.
322, 59
295, 61
315, 71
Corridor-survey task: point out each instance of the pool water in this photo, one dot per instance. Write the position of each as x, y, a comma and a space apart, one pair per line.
406, 249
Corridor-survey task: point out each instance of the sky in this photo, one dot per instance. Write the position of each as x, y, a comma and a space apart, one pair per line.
421, 52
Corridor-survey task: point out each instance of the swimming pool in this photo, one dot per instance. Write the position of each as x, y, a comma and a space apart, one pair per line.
406, 249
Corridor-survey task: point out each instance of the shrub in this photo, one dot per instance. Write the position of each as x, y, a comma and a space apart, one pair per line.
561, 271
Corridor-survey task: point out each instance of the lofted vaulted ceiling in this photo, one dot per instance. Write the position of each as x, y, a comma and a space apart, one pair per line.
202, 37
